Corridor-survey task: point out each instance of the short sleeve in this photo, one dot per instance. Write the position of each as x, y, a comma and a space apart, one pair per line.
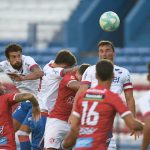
144, 104
87, 76
30, 62
119, 105
127, 81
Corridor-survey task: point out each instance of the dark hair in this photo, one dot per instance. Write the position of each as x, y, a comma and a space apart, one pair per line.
104, 70
12, 48
102, 43
65, 57
82, 68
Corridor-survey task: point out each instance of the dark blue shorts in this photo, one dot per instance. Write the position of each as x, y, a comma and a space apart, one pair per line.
21, 112
37, 130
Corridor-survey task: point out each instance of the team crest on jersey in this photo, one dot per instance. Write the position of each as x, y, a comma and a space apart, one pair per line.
55, 71
27, 64
90, 96
119, 71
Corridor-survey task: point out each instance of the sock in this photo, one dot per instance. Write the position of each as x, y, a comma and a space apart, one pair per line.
24, 142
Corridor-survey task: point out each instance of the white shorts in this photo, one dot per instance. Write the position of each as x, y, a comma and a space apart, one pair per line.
55, 131
112, 144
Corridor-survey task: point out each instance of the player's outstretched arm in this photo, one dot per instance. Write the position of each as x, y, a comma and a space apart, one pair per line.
35, 106
70, 139
36, 74
146, 134
132, 123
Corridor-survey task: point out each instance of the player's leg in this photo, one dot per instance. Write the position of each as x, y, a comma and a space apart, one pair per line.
55, 132
24, 131
37, 129
18, 117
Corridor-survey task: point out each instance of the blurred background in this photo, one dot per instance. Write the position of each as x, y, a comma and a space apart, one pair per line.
43, 27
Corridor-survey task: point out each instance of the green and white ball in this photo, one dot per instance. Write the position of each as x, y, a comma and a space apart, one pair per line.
109, 21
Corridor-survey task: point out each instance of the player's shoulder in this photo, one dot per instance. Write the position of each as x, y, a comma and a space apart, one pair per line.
3, 63
91, 68
27, 58
69, 76
113, 95
120, 69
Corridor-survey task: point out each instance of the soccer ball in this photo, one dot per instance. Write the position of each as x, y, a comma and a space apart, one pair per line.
109, 21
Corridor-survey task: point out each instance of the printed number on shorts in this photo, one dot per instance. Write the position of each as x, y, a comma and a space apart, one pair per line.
89, 116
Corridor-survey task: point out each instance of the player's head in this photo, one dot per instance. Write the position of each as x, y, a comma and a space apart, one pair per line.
104, 70
2, 89
65, 58
81, 70
13, 53
106, 50
148, 76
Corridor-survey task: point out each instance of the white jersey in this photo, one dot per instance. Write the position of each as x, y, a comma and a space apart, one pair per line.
27, 63
144, 104
49, 87
120, 82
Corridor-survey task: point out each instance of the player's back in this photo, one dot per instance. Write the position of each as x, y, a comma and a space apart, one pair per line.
97, 108
49, 86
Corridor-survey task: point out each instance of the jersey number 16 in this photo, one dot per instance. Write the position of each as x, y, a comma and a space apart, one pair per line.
89, 115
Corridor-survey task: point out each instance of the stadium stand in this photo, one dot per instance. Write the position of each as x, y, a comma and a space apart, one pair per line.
47, 17
136, 33
83, 31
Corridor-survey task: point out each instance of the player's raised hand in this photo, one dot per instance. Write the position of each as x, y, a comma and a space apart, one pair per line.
36, 114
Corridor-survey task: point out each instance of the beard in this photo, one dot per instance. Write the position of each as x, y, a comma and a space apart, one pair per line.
17, 66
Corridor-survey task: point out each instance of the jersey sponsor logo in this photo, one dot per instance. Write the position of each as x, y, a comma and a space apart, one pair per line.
94, 97
84, 142
3, 140
87, 131
116, 79
70, 100
1, 129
